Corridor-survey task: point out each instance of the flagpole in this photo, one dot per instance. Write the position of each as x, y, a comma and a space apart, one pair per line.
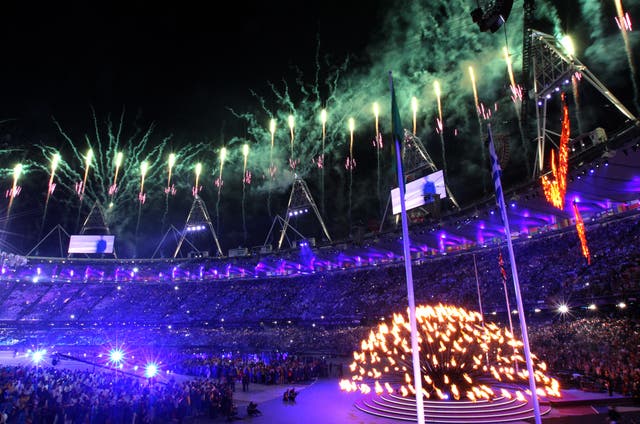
475, 267
514, 271
506, 298
415, 354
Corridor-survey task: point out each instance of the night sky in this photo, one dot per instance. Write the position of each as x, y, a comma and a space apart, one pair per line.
204, 77
180, 65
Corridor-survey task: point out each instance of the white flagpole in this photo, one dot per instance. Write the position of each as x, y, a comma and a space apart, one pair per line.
475, 267
415, 354
495, 173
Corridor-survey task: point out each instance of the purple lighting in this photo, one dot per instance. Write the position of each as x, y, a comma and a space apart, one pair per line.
38, 355
151, 370
116, 356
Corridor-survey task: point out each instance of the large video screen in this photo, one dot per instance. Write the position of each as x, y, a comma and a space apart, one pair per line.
91, 244
418, 192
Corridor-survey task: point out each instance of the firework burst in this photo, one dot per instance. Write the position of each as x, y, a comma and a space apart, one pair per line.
457, 357
111, 173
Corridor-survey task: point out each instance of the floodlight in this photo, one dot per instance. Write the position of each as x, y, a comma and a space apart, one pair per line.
116, 356
38, 356
150, 370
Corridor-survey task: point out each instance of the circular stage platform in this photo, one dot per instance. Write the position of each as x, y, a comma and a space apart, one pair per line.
499, 410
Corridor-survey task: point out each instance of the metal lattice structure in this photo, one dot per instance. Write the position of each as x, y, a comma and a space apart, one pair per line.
95, 223
300, 200
553, 67
197, 220
416, 159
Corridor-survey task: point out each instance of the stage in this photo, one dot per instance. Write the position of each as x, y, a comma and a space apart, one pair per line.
322, 402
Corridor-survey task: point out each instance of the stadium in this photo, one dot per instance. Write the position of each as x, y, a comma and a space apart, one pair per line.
133, 316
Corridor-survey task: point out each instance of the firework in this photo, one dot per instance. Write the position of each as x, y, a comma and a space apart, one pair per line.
516, 98
414, 109
272, 167
291, 121
377, 144
87, 164
15, 189
144, 167
114, 186
196, 186
246, 179
170, 189
219, 182
475, 89
479, 114
320, 162
516, 90
440, 125
115, 159
624, 24
350, 163
55, 160
457, 355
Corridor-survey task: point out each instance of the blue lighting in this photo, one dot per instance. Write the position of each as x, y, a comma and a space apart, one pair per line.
38, 356
150, 370
116, 356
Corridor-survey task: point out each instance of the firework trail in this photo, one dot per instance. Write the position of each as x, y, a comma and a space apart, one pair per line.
440, 126
414, 109
448, 49
476, 102
196, 185
246, 179
55, 159
377, 144
624, 23
292, 161
219, 183
575, 79
115, 164
144, 167
350, 164
170, 189
321, 163
113, 189
13, 192
516, 98
272, 169
80, 186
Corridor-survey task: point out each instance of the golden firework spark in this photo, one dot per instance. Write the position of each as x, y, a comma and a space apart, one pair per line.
455, 351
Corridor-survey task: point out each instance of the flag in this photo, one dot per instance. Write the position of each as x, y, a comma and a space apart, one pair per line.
503, 272
496, 174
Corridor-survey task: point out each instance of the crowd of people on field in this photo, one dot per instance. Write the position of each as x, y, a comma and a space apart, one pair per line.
49, 395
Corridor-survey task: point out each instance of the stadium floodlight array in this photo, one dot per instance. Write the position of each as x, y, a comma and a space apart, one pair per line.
194, 228
297, 212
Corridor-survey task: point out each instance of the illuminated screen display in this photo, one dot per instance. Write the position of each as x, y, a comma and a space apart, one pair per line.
91, 244
417, 190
